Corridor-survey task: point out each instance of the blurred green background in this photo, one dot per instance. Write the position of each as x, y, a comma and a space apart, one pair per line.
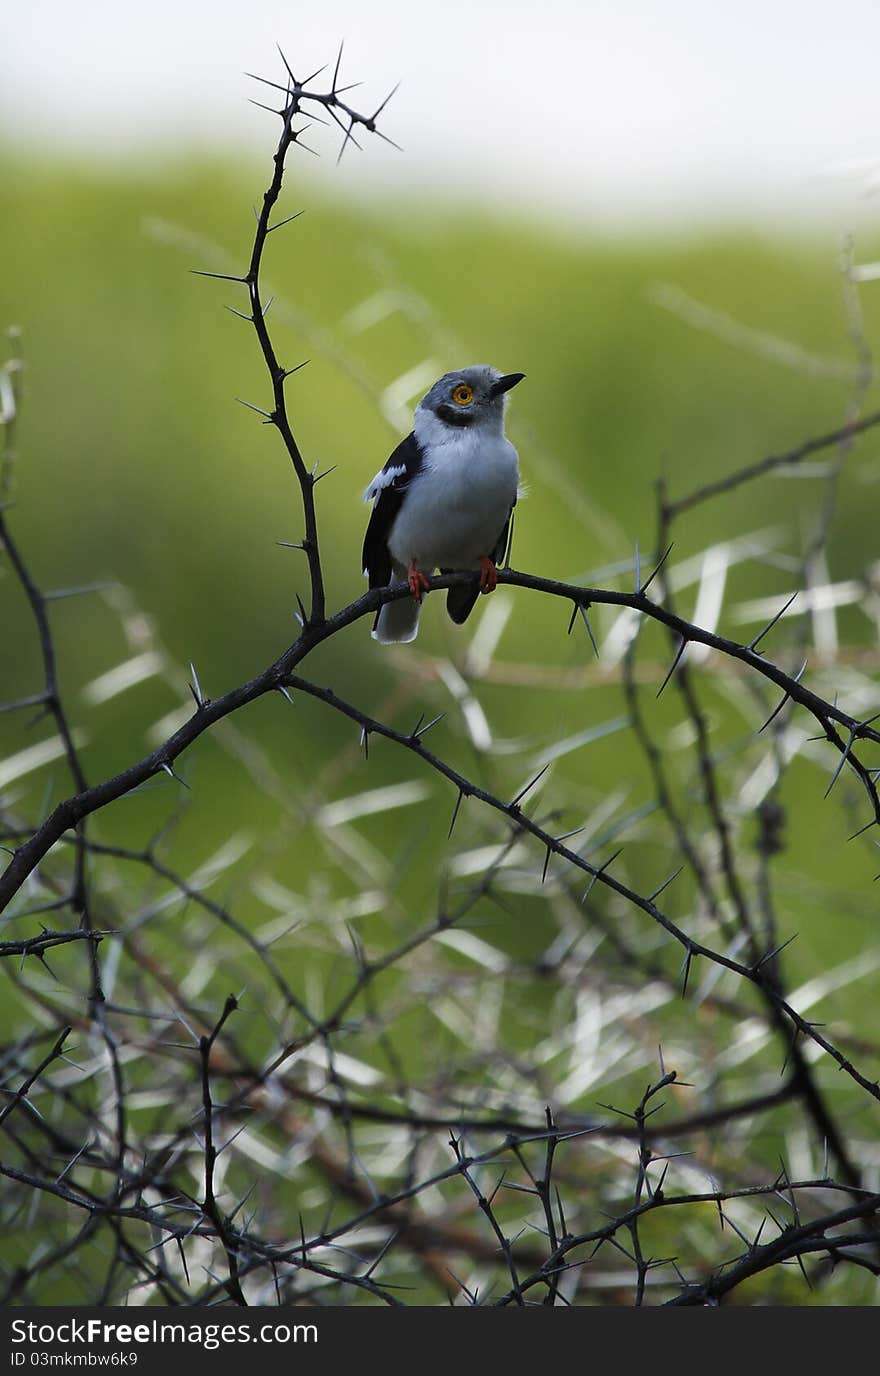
137, 466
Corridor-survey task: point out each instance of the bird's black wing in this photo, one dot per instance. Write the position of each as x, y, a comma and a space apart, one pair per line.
388, 488
500, 552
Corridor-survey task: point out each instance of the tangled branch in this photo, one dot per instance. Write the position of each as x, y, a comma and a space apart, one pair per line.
171, 1194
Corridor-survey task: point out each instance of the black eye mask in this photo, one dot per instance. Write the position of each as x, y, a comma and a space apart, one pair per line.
455, 415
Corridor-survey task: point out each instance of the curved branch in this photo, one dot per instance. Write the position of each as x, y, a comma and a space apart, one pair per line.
72, 810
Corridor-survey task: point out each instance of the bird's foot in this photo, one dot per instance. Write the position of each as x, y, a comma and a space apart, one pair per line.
418, 583
488, 575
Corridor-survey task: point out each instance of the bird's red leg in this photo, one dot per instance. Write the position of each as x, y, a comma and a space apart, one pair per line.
418, 583
488, 575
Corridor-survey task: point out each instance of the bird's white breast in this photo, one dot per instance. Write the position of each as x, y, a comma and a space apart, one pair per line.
455, 509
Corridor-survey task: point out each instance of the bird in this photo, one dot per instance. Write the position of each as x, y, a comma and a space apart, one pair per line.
443, 500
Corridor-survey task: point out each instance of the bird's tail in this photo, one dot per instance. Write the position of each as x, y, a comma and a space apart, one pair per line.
397, 622
460, 601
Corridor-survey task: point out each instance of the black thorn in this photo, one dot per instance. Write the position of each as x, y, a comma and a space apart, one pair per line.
522, 793
221, 276
333, 115
644, 588
336, 68
281, 223
261, 106
315, 73
295, 137
266, 82
583, 611
287, 65
843, 759
172, 775
288, 372
259, 410
774, 713
546, 863
665, 884
386, 139
770, 624
392, 92
775, 952
681, 649
421, 730
349, 138
458, 802
195, 686
598, 873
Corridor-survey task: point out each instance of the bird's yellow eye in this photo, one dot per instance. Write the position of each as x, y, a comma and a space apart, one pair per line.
463, 395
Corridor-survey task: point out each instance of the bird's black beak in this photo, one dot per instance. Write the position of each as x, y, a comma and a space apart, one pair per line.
504, 384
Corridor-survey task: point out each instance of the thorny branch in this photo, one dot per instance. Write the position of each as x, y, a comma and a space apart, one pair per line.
74, 809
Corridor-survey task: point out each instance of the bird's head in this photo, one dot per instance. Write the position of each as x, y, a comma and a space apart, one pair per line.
474, 396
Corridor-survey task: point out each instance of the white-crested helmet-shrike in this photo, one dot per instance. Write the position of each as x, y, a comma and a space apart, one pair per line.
444, 498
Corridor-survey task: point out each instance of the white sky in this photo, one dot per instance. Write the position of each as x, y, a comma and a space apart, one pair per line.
622, 110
